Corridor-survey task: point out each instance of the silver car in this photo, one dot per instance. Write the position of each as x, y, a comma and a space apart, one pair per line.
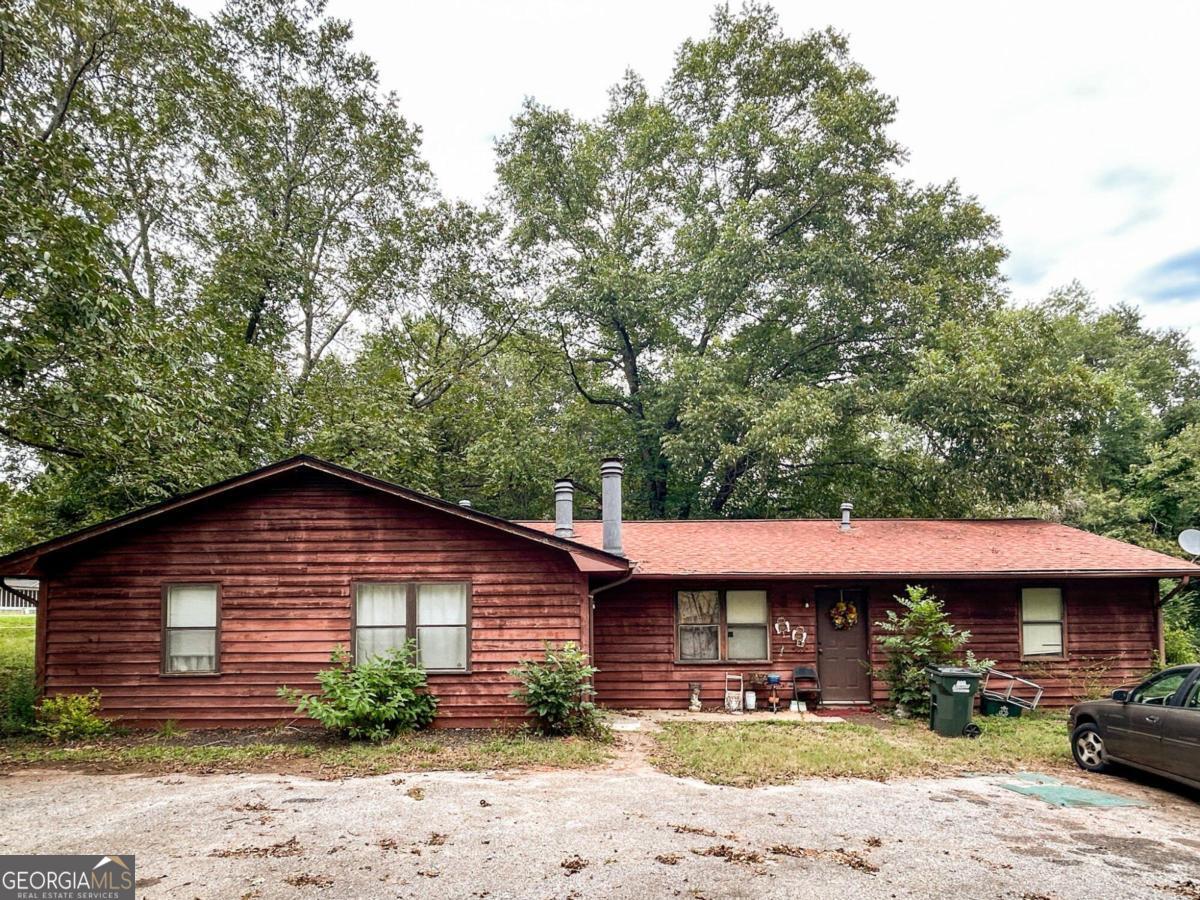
1154, 727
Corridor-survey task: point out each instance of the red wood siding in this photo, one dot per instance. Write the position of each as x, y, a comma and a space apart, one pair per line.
1110, 626
285, 556
1111, 631
635, 644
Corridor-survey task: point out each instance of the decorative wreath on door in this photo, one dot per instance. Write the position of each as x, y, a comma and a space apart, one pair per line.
843, 615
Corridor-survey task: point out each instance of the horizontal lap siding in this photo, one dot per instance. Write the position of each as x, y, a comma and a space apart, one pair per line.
1111, 628
1111, 637
634, 635
285, 557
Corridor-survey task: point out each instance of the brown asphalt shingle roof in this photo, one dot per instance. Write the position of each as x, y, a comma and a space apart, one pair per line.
876, 547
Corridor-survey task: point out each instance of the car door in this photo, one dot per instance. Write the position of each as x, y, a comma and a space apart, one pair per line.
1181, 735
1135, 727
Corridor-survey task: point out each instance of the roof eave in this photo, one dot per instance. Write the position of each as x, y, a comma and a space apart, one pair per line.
892, 576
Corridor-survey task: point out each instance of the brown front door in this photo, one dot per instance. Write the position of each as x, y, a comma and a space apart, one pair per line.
842, 652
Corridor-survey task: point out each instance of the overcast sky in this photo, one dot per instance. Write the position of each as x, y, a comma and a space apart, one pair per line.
1074, 122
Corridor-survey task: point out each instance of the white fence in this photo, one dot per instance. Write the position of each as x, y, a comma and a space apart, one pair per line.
18, 596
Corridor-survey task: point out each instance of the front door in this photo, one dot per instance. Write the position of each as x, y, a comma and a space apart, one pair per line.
842, 644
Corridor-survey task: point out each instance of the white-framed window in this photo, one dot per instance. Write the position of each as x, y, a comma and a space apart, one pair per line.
1042, 616
190, 628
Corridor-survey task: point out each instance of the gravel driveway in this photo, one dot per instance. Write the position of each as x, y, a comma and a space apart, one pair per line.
617, 832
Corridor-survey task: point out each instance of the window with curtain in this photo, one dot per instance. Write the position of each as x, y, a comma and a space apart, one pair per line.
190, 629
703, 616
442, 625
380, 619
1042, 622
434, 614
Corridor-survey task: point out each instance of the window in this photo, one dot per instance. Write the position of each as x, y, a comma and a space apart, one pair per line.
699, 625
1042, 622
190, 628
702, 618
1159, 689
1193, 700
434, 614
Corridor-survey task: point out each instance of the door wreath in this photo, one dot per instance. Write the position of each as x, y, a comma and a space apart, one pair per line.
843, 615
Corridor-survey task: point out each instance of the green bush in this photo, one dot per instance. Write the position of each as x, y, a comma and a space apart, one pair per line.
70, 717
921, 636
18, 703
557, 691
1181, 630
1180, 643
373, 700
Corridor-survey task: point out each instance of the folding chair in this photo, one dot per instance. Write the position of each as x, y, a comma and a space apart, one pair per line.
813, 691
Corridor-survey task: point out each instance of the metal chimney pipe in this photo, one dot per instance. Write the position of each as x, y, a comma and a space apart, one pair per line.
466, 504
564, 508
611, 470
847, 508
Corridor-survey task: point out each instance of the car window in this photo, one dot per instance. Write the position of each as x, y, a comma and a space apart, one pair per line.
1158, 689
1193, 700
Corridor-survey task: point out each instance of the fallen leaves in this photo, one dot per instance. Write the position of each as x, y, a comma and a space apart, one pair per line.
730, 854
306, 880
574, 864
290, 847
852, 858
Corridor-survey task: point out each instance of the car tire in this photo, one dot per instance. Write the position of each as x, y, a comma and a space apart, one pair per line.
1087, 746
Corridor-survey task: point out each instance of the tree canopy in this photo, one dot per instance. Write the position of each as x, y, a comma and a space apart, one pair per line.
221, 245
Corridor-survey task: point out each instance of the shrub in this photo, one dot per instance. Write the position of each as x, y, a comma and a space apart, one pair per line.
18, 703
1180, 644
372, 700
921, 636
557, 691
70, 717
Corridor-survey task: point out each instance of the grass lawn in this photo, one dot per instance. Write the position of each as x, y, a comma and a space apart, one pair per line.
305, 752
777, 753
16, 644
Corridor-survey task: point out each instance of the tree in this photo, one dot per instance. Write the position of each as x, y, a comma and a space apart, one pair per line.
747, 225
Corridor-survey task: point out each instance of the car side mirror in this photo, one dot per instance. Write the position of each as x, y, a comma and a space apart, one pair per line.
1121, 696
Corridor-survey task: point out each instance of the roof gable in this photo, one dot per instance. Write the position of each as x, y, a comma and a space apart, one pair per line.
588, 558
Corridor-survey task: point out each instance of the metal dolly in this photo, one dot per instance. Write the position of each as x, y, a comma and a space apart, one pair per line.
998, 699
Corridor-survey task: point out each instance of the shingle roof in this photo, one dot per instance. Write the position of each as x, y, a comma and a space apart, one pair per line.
876, 548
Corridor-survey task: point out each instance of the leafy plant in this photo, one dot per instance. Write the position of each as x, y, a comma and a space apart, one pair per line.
921, 636
71, 717
18, 703
371, 700
168, 730
1181, 637
557, 691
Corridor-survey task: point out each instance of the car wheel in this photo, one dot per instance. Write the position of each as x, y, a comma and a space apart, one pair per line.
1087, 746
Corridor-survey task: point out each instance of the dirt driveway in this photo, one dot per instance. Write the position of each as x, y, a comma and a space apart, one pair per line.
616, 832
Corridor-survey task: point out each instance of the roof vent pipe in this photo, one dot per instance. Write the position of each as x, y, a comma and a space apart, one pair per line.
847, 508
564, 508
466, 504
611, 470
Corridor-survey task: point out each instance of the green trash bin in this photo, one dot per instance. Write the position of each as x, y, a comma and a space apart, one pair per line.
952, 694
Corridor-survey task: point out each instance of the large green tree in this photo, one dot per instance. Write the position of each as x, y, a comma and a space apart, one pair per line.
724, 259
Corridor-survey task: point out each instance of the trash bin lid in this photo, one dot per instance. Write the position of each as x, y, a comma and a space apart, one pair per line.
953, 671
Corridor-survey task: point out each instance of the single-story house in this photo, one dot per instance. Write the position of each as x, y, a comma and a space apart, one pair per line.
199, 608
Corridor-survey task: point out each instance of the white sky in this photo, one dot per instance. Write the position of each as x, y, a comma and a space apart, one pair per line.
1074, 122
